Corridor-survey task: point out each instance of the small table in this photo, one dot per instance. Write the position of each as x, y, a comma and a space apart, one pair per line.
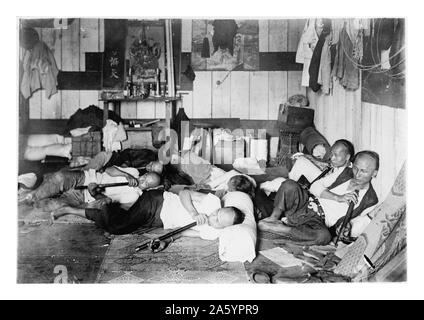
170, 106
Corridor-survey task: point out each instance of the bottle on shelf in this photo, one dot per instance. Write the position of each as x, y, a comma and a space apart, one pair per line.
129, 83
158, 91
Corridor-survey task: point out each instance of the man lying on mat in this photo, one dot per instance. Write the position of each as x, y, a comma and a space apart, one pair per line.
64, 181
158, 208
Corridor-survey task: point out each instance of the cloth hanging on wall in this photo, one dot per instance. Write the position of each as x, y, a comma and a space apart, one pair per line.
40, 71
305, 49
324, 74
345, 67
314, 66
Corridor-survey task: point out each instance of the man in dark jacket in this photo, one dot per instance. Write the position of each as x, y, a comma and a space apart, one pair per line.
307, 218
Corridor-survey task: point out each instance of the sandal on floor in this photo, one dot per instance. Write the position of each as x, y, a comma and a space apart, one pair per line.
260, 277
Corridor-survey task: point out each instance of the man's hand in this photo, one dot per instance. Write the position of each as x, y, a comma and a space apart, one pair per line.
132, 182
201, 218
94, 189
348, 197
346, 230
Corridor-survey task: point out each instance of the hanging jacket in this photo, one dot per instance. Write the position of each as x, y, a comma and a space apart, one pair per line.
40, 71
345, 67
324, 74
314, 67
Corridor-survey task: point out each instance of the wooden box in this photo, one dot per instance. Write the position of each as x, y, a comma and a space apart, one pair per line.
87, 145
295, 117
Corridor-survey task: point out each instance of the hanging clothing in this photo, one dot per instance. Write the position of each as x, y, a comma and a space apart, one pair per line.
336, 27
354, 30
345, 67
40, 71
324, 74
305, 49
314, 67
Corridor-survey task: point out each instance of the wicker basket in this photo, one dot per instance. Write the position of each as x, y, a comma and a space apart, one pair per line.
87, 145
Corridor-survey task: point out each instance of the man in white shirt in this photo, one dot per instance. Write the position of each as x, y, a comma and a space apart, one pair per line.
157, 208
307, 219
64, 182
341, 154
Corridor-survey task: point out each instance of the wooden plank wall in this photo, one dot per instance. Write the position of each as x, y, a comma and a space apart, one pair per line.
69, 46
246, 95
370, 127
254, 95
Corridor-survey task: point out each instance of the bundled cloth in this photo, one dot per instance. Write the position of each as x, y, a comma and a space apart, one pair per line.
315, 143
38, 146
90, 116
113, 134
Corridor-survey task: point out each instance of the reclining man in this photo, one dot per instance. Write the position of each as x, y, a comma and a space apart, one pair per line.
64, 181
341, 154
158, 208
307, 218
145, 160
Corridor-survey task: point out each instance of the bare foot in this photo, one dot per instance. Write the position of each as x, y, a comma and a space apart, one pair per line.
56, 214
271, 225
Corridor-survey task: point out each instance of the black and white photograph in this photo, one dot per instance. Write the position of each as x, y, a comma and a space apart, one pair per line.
245, 151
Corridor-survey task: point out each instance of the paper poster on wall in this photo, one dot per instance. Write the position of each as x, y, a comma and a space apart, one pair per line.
225, 45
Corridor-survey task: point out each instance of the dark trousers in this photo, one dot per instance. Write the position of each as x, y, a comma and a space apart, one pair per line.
304, 224
145, 212
264, 203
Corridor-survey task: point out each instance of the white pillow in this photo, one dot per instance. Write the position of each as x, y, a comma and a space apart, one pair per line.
41, 140
39, 153
238, 242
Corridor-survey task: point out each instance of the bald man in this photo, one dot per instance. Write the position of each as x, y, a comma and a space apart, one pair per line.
63, 182
159, 208
307, 218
